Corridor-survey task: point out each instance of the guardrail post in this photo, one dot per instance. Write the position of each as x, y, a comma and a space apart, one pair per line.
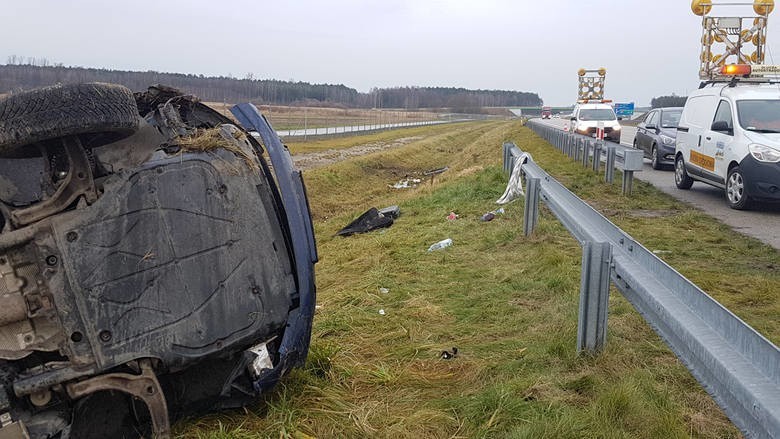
507, 155
585, 153
597, 155
628, 182
632, 161
609, 172
573, 145
576, 150
531, 211
594, 296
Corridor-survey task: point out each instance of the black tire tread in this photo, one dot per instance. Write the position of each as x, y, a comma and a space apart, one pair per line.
64, 110
654, 158
687, 181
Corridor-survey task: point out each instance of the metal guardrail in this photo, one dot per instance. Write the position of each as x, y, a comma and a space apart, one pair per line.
584, 149
738, 366
330, 131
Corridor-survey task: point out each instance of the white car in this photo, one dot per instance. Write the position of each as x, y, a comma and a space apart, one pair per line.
729, 137
588, 115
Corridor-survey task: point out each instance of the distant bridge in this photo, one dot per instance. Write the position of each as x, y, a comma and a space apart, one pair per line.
537, 111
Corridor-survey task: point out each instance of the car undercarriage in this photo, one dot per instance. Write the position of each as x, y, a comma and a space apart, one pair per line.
153, 265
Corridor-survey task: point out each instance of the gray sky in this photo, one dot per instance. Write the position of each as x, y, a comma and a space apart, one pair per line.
649, 48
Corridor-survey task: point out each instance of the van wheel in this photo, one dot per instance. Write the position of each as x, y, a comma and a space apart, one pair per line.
655, 161
681, 178
736, 192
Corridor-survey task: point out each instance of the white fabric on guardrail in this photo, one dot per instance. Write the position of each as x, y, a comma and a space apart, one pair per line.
515, 187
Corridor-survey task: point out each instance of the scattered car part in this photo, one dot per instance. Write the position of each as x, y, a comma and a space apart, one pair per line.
370, 220
447, 355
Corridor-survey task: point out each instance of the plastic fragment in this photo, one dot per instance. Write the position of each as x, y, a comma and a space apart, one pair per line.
447, 355
440, 245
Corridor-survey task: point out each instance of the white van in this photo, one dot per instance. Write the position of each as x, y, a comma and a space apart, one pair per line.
729, 137
589, 114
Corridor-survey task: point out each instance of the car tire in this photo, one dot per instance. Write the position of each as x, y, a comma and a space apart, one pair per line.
681, 178
736, 191
65, 110
655, 161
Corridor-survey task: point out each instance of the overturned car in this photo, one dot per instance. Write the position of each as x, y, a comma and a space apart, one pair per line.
153, 263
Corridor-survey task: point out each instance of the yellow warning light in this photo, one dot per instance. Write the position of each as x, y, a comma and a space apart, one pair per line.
736, 69
702, 7
581, 72
763, 7
602, 71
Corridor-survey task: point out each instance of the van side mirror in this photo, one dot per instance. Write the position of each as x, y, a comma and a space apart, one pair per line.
573, 118
651, 127
722, 126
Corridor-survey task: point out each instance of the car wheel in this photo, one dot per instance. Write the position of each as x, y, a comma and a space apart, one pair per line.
736, 190
106, 110
681, 178
655, 161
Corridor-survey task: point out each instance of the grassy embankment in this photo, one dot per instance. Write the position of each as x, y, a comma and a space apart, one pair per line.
509, 304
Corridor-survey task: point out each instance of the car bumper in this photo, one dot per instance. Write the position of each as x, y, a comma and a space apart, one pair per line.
609, 133
762, 179
666, 154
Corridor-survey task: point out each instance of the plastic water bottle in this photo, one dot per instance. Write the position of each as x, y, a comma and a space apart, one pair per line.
440, 245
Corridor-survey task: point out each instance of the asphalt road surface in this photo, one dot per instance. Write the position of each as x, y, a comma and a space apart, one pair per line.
762, 223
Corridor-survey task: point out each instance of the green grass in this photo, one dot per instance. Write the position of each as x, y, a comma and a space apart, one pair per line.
315, 144
509, 303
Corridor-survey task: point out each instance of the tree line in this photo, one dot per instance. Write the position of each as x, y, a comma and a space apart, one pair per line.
668, 101
24, 73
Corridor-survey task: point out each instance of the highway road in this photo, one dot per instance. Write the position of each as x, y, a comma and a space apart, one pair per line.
762, 223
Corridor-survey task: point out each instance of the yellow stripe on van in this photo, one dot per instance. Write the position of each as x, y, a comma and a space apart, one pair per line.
702, 160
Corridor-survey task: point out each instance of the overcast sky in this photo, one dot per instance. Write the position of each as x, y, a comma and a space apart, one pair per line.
649, 48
